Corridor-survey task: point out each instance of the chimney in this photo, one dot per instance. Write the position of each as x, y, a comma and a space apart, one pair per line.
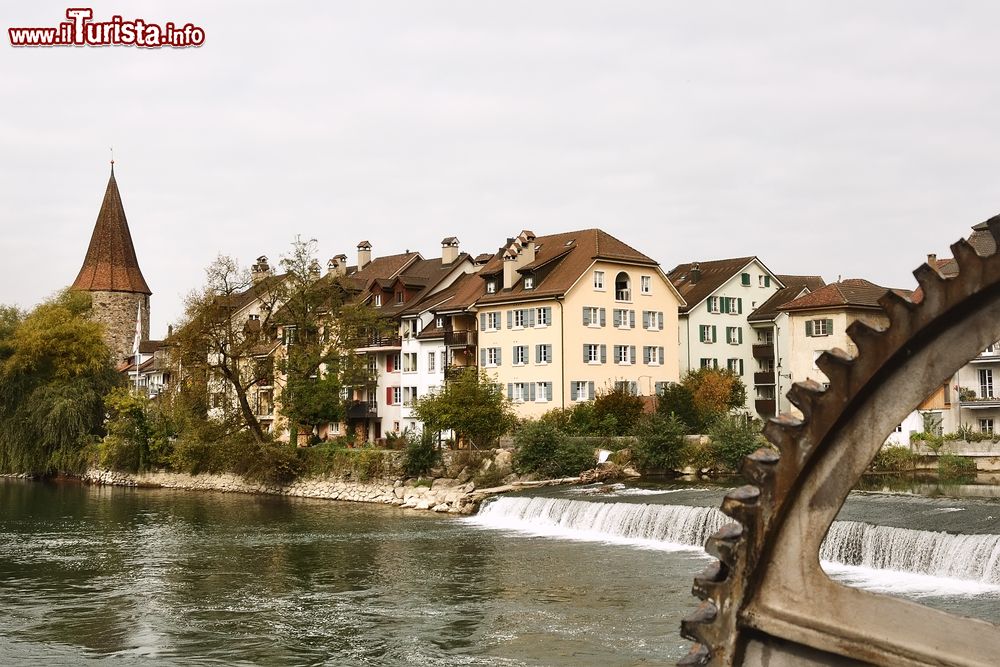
170, 330
314, 270
932, 260
527, 239
364, 254
337, 265
260, 270
449, 250
517, 253
695, 273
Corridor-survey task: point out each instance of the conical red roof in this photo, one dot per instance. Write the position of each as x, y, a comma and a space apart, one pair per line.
110, 264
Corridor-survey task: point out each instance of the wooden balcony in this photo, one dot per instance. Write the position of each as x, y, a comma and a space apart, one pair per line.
765, 407
763, 351
463, 338
763, 377
362, 410
376, 343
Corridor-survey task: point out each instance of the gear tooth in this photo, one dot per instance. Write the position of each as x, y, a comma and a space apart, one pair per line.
804, 395
759, 467
993, 224
863, 335
964, 253
836, 365
708, 581
724, 542
694, 624
698, 656
742, 504
897, 307
928, 277
783, 432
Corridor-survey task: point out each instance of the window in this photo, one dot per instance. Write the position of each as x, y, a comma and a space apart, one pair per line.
745, 279
409, 395
409, 362
543, 354
543, 316
490, 356
986, 383
599, 280
595, 354
819, 327
765, 393
734, 335
372, 365
377, 300
529, 282
516, 392
986, 426
652, 320
763, 281
735, 366
489, 321
392, 362
491, 286
439, 322
652, 355
713, 304
520, 355
400, 296
393, 396
623, 318
290, 335
516, 319
593, 317
581, 390
765, 335
543, 392
410, 329
646, 284
731, 305
624, 354
431, 358
623, 287
706, 333
705, 362
630, 387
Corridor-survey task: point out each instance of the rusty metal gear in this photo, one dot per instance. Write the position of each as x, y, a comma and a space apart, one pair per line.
766, 600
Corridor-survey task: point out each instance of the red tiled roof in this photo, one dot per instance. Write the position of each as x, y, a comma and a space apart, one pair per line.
110, 264
852, 293
794, 287
714, 273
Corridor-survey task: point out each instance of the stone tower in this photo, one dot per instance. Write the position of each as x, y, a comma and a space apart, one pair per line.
111, 274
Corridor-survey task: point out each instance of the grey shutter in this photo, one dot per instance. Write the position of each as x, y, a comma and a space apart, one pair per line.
499, 351
809, 327
590, 390
661, 358
548, 314
634, 387
538, 354
604, 320
646, 354
572, 391
631, 354
510, 319
482, 356
548, 353
645, 319
631, 319
548, 391
531, 317
660, 318
531, 391
586, 316
510, 391
482, 321
829, 327
604, 353
618, 316
586, 357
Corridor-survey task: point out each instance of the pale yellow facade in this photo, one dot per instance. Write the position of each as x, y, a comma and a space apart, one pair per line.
584, 353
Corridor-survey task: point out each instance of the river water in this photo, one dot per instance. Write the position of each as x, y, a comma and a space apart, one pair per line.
577, 576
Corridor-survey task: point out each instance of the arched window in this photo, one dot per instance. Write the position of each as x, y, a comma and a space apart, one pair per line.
623, 285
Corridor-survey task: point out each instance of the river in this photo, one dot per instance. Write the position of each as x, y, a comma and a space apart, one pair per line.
572, 576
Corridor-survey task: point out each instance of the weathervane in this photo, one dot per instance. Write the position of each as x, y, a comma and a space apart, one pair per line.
112, 149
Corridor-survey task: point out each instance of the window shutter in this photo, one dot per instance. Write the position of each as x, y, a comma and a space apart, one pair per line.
618, 317
388, 396
482, 356
510, 391
586, 316
531, 391
510, 319
739, 305
604, 320
590, 390
538, 354
646, 354
634, 387
715, 335
548, 314
660, 318
829, 327
739, 335
482, 321
604, 353
531, 317
548, 391
809, 327
631, 354
388, 364
572, 391
631, 319
499, 350
645, 319
741, 367
586, 357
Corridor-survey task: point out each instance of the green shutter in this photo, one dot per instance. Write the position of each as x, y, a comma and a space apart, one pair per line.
829, 327
809, 328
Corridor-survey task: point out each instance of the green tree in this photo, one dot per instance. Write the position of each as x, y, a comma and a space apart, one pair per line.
54, 373
733, 438
126, 446
617, 411
472, 405
660, 443
677, 400
545, 450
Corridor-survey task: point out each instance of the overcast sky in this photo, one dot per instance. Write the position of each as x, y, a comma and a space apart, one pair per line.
831, 138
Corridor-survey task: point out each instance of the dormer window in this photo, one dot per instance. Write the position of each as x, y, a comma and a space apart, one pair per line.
254, 318
400, 295
377, 300
491, 286
439, 322
529, 281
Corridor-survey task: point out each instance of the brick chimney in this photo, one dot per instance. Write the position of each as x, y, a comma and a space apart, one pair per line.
449, 250
337, 265
517, 253
932, 260
260, 270
364, 254
695, 273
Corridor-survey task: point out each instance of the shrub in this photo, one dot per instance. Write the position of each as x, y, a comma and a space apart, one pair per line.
733, 438
677, 400
660, 445
893, 459
951, 466
547, 451
421, 453
617, 412
267, 462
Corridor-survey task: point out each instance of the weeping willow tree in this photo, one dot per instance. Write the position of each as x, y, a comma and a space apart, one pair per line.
54, 373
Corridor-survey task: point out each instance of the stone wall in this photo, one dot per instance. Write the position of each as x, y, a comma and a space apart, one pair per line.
116, 311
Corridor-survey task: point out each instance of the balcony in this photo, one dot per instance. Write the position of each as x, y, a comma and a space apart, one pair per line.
463, 338
763, 351
362, 410
765, 407
989, 357
763, 377
379, 343
452, 372
989, 403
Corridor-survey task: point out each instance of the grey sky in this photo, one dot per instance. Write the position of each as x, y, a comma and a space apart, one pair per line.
830, 138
